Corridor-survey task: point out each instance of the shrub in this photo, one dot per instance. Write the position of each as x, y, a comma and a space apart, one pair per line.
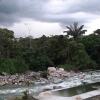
67, 67
12, 66
79, 57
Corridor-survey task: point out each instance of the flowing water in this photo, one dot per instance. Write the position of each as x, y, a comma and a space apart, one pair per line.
71, 86
77, 90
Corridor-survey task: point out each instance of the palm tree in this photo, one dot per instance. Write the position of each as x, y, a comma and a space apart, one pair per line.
97, 31
75, 30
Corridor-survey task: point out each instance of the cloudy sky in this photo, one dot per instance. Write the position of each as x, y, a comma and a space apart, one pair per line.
48, 17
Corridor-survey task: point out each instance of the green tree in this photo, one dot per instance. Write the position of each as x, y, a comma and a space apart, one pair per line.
56, 49
37, 60
92, 47
13, 65
6, 42
79, 57
75, 30
97, 31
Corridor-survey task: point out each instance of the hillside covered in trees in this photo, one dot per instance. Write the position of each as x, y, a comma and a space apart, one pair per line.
73, 51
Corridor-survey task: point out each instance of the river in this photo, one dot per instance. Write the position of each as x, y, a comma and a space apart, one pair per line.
67, 84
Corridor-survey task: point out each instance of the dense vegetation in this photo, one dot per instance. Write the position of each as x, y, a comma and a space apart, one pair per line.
73, 51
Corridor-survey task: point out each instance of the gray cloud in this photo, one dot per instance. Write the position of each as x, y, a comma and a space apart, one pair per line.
12, 11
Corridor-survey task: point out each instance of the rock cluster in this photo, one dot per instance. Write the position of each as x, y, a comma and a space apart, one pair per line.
52, 75
57, 72
57, 75
19, 79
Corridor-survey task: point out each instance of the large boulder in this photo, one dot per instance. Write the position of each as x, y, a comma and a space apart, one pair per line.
51, 70
61, 69
57, 75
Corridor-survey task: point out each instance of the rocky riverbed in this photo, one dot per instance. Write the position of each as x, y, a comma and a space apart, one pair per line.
52, 76
36, 82
56, 78
30, 77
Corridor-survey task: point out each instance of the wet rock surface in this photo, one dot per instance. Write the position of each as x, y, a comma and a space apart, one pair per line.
94, 98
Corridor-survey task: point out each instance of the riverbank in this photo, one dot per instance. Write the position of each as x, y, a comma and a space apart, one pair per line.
30, 77
42, 84
23, 79
55, 80
50, 77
